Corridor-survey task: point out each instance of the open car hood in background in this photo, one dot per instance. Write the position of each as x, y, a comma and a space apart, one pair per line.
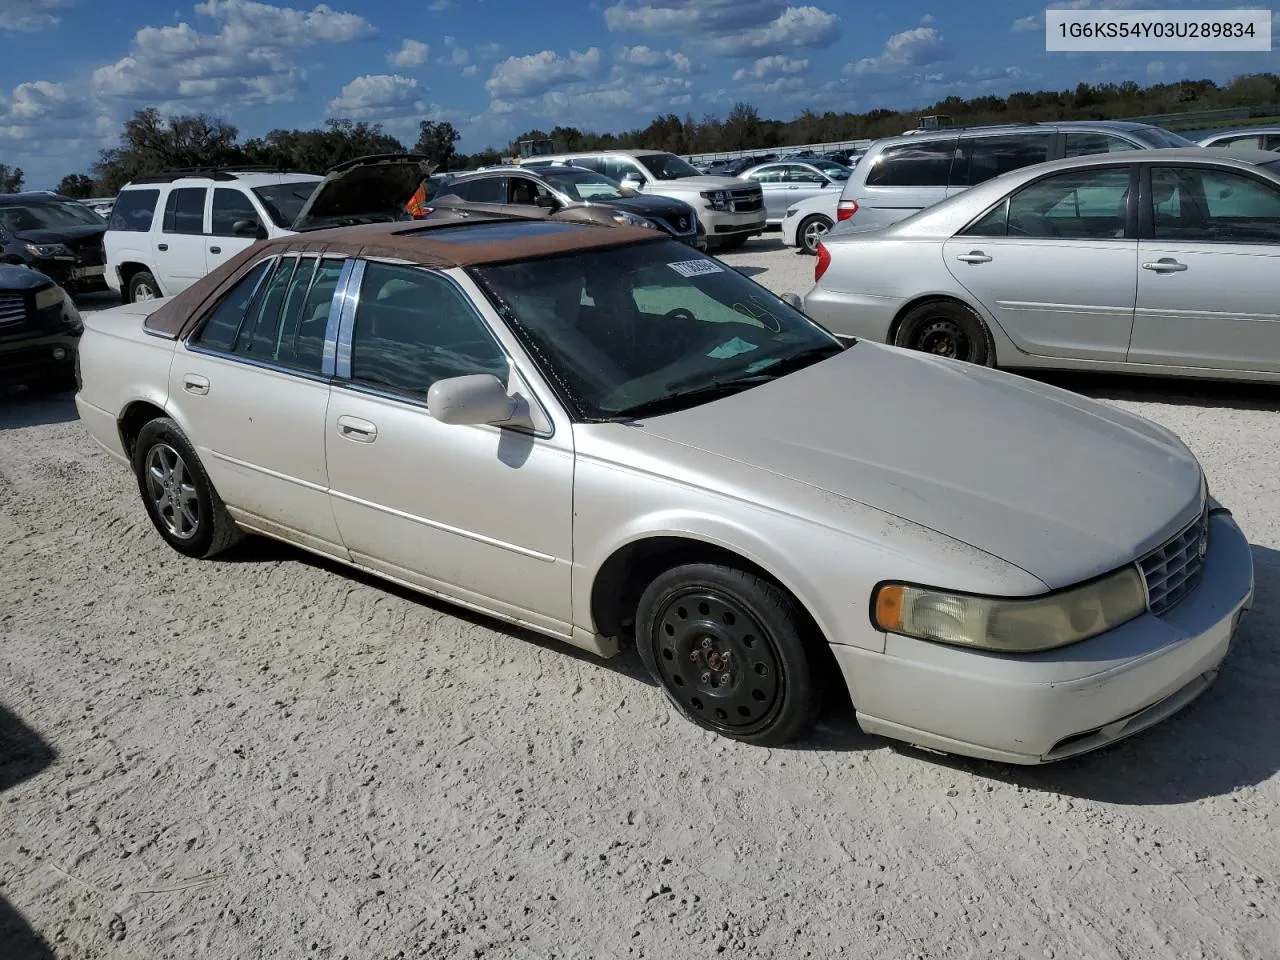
365, 190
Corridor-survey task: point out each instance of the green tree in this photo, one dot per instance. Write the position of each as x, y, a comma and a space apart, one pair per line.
152, 143
76, 185
10, 178
315, 151
436, 140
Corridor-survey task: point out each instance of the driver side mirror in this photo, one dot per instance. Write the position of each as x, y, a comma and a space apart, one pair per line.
547, 202
249, 228
475, 399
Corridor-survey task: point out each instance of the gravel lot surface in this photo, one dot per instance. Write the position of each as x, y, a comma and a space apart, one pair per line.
267, 756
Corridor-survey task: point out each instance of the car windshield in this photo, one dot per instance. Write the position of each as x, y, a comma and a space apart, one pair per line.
581, 184
284, 200
1158, 137
650, 328
47, 215
1272, 165
667, 166
836, 171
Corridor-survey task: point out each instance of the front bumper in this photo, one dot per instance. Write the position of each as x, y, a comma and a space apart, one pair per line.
1049, 706
38, 359
722, 223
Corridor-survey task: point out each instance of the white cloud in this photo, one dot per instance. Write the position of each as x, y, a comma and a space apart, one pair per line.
488, 51
911, 48
729, 27
458, 56
28, 16
928, 18
246, 61
375, 95
1027, 24
412, 53
439, 6
642, 56
1036, 21
470, 71
539, 72
774, 66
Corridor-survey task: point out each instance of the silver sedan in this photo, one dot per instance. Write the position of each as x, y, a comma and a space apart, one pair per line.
1155, 261
785, 182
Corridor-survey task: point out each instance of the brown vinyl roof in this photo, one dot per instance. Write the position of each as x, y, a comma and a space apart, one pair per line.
441, 246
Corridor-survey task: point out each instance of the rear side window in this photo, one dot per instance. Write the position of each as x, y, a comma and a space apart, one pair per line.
1087, 144
913, 165
133, 211
218, 332
290, 316
486, 190
413, 328
981, 158
230, 206
184, 210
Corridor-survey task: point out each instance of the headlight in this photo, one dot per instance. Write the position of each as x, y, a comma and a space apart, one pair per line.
718, 199
1011, 625
631, 220
49, 297
50, 251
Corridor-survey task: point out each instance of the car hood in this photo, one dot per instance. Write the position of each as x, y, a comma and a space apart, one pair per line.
651, 206
14, 279
62, 234
1063, 487
698, 184
364, 190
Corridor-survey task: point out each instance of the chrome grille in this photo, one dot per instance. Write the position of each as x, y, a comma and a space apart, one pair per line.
1171, 571
13, 308
747, 201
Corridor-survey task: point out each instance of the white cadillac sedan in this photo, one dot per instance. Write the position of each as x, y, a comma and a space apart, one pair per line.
605, 436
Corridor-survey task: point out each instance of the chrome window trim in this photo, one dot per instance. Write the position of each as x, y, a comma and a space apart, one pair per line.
347, 320
329, 356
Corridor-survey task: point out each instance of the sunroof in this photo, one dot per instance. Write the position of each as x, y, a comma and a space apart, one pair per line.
496, 231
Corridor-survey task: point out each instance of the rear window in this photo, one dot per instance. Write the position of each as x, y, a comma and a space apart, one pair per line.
133, 211
913, 165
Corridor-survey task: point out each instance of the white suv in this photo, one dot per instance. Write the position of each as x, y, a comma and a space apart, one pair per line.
731, 210
169, 230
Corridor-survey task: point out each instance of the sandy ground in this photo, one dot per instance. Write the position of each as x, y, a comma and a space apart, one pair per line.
266, 756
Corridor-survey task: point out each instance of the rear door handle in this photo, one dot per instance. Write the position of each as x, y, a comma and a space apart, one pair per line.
1165, 265
215, 249
162, 246
974, 256
361, 431
193, 383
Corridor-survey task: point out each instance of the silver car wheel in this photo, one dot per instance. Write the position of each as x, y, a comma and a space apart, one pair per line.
814, 230
143, 291
172, 492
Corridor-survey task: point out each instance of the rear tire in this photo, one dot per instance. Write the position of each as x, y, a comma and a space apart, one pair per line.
179, 498
811, 231
733, 652
947, 328
143, 286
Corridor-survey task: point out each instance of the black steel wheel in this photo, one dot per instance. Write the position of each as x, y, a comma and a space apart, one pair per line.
732, 651
947, 328
180, 500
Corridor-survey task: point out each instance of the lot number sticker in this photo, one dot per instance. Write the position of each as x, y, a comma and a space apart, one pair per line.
696, 268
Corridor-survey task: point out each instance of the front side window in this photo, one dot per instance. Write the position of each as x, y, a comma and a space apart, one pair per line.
799, 173
1080, 205
218, 331
284, 201
230, 207
767, 175
913, 165
413, 327
527, 192
667, 166
1087, 144
981, 158
184, 210
582, 184
650, 327
617, 168
1215, 206
134, 210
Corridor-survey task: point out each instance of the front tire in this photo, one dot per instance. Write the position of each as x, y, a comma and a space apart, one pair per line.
733, 652
947, 328
811, 231
143, 286
181, 502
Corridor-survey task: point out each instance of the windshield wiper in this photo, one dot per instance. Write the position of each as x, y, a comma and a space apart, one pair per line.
772, 371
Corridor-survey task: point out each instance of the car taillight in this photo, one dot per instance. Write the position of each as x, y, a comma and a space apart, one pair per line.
824, 261
846, 209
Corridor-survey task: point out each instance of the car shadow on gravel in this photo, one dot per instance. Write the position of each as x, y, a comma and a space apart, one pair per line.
23, 408
265, 550
23, 755
1223, 741
1228, 394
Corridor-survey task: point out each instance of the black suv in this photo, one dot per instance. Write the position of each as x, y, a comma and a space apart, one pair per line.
39, 331
60, 237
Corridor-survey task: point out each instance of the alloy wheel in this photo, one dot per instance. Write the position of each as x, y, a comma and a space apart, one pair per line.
813, 233
172, 492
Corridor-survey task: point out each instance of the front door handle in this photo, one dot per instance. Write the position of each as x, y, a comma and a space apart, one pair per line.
974, 256
215, 249
193, 383
1165, 265
361, 431
162, 246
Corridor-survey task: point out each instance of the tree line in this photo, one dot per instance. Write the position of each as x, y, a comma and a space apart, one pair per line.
151, 143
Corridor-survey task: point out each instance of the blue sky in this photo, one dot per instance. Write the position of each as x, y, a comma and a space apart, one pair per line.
72, 70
